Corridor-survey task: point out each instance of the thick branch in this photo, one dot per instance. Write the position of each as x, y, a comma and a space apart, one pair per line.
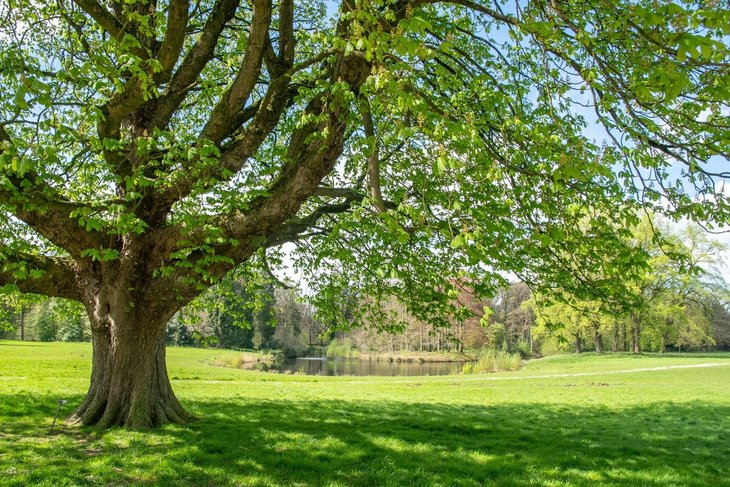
373, 158
39, 205
109, 23
232, 101
313, 152
45, 275
102, 16
198, 56
49, 215
177, 21
263, 116
234, 155
286, 32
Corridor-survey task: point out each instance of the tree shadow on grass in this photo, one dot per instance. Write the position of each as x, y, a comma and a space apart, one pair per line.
313, 443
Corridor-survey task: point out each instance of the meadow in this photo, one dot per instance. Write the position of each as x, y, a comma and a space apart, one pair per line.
618, 419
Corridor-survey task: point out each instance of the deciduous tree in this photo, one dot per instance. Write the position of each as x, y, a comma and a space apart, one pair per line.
148, 147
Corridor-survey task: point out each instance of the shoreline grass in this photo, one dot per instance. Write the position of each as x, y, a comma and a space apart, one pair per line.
415, 357
665, 427
490, 361
239, 359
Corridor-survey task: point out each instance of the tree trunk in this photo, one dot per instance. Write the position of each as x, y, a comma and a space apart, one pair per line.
636, 339
22, 323
578, 344
599, 342
633, 337
615, 345
129, 383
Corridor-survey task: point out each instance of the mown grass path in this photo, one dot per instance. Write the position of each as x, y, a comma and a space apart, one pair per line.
613, 420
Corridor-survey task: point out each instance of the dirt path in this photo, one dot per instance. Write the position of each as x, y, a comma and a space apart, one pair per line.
552, 376
478, 378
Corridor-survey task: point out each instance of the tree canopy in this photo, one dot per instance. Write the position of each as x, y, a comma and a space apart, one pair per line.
674, 295
149, 147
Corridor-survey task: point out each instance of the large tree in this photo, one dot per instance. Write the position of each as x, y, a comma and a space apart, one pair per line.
148, 147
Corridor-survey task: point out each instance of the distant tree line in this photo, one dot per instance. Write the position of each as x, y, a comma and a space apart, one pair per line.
513, 321
681, 303
227, 316
233, 316
43, 319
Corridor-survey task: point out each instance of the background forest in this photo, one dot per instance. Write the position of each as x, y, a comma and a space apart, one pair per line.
681, 303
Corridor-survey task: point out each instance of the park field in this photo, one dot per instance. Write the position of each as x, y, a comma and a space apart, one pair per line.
618, 419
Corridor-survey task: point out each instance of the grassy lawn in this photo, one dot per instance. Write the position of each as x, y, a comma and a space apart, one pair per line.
558, 421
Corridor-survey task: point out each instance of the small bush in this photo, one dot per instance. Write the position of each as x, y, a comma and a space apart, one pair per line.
549, 347
240, 359
342, 348
491, 360
523, 348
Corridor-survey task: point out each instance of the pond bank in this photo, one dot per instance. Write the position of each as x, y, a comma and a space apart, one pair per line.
357, 367
243, 359
416, 357
358, 364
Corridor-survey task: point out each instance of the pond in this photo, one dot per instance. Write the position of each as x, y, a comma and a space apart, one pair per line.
354, 366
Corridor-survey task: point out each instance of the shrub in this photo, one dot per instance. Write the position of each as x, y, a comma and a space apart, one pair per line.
523, 348
549, 347
46, 325
491, 360
241, 359
342, 348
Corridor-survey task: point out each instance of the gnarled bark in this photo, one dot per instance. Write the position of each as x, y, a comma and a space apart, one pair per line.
129, 382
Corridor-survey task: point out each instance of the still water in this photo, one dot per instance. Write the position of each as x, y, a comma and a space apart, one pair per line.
354, 366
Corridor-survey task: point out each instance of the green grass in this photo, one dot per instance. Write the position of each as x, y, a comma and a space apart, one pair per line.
563, 420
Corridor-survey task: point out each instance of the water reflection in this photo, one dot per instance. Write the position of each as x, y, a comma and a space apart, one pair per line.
354, 366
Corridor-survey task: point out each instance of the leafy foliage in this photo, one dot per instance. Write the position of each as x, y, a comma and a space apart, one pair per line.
148, 148
465, 123
674, 296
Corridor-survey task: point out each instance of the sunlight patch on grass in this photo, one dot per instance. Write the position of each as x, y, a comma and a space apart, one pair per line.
665, 427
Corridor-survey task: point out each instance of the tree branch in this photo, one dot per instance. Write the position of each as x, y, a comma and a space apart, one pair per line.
262, 116
313, 151
374, 157
233, 99
40, 206
37, 274
169, 53
477, 8
197, 58
102, 16
109, 23
286, 32
234, 155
